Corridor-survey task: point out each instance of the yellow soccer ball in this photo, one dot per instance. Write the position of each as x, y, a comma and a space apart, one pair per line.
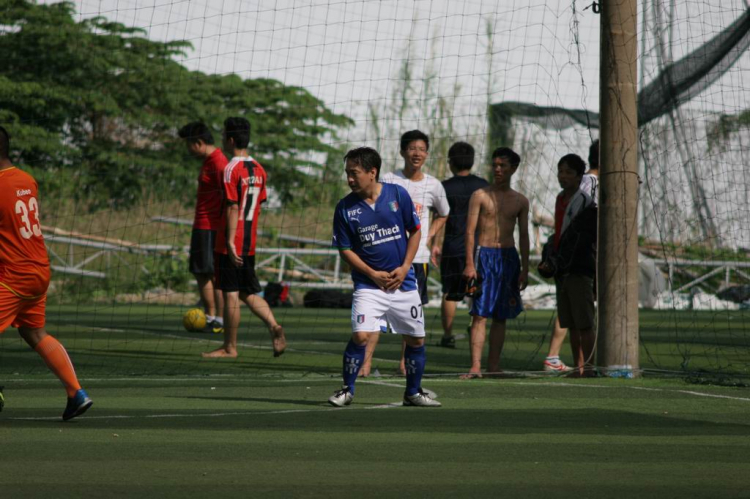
194, 320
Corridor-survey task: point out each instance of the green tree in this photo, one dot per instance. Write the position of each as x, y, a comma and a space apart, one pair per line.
94, 106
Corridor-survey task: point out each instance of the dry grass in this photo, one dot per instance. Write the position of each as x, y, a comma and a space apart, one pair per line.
136, 225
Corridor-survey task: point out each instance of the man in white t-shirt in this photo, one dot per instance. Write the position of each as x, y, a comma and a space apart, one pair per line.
427, 194
590, 181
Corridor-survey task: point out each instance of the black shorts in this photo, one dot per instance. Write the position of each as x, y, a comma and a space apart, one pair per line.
231, 279
451, 272
202, 251
421, 270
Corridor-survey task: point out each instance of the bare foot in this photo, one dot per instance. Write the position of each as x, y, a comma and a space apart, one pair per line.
220, 353
279, 340
473, 373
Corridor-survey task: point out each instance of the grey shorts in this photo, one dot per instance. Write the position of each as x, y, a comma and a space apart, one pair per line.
575, 301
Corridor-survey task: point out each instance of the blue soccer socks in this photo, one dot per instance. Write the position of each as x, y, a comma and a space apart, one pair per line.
414, 358
354, 355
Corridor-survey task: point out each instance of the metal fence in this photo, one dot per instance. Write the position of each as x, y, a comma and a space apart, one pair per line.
72, 255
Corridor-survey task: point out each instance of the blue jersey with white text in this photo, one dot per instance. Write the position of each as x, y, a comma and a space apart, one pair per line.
377, 234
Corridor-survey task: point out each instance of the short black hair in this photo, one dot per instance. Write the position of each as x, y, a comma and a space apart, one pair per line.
4, 143
195, 131
507, 152
574, 162
594, 155
413, 135
367, 158
461, 156
238, 129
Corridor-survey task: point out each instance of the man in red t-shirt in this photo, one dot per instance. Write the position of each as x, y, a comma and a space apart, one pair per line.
244, 191
208, 213
25, 274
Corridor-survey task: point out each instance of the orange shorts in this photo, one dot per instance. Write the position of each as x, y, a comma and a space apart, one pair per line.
21, 312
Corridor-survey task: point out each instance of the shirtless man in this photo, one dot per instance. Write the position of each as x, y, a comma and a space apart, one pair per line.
493, 212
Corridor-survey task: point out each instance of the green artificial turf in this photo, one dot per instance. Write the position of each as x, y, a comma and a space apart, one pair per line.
105, 339
167, 423
225, 436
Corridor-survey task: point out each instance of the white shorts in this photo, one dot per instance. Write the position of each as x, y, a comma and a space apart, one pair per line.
374, 309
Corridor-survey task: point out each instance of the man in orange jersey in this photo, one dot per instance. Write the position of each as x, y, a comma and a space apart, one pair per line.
25, 273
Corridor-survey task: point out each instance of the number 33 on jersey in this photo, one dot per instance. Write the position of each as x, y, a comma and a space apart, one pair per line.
24, 209
24, 265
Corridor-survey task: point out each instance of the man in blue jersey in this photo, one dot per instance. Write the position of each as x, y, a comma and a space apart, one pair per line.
370, 229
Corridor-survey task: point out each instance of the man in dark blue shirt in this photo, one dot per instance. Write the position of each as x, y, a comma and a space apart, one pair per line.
452, 255
376, 229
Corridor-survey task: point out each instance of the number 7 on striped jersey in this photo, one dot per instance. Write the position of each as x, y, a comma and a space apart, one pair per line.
249, 202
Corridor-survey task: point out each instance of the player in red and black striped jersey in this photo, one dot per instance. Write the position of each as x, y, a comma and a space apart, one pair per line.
244, 183
208, 212
244, 192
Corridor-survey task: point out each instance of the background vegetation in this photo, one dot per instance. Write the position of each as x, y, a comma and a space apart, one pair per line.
94, 106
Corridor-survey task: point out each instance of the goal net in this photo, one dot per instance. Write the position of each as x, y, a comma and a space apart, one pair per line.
93, 94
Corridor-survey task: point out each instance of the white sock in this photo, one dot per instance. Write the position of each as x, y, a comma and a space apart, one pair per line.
210, 318
219, 320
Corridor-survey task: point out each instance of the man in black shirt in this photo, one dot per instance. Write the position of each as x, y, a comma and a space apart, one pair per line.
452, 255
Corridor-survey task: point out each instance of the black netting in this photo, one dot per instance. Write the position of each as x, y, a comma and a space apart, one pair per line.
676, 84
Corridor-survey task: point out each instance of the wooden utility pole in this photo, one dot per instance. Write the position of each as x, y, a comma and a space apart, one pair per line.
617, 267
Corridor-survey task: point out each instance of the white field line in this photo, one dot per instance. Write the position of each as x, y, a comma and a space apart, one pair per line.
604, 387
239, 343
225, 414
379, 383
700, 394
216, 341
206, 378
439, 379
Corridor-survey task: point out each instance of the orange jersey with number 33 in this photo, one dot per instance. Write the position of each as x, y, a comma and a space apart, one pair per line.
24, 264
